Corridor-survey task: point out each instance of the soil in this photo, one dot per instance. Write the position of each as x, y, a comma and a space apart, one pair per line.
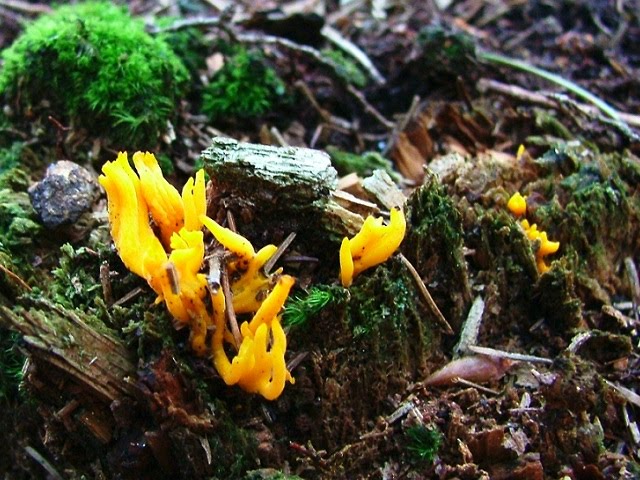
539, 367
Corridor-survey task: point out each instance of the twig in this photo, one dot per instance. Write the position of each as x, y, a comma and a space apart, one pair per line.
471, 327
330, 119
15, 278
352, 49
370, 109
427, 296
402, 124
130, 295
231, 314
26, 7
469, 383
44, 463
326, 62
491, 352
278, 253
186, 23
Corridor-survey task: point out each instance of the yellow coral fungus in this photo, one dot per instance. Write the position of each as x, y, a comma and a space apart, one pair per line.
374, 244
172, 269
259, 365
251, 284
543, 246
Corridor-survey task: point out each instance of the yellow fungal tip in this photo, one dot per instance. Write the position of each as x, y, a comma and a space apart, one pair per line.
517, 204
371, 246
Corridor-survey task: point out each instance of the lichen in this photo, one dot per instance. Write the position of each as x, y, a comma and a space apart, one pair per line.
94, 66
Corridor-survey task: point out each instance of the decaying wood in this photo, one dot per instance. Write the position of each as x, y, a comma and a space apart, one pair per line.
59, 338
277, 190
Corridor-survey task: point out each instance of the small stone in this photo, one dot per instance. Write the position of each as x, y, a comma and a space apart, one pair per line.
64, 194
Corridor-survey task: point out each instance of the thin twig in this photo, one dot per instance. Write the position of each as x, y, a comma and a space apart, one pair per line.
128, 296
26, 7
15, 278
186, 23
401, 125
427, 296
278, 253
492, 352
469, 383
231, 314
370, 109
43, 462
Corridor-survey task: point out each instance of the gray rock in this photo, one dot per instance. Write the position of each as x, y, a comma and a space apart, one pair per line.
64, 194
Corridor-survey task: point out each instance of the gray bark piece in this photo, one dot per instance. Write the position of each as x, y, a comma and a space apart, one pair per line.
273, 191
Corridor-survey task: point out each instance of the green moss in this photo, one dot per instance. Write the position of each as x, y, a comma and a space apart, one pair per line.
234, 448
11, 362
94, 66
385, 316
299, 310
18, 228
244, 88
434, 244
345, 68
423, 443
363, 165
189, 44
75, 285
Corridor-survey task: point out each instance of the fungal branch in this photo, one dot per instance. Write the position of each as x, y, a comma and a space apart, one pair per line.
543, 247
171, 263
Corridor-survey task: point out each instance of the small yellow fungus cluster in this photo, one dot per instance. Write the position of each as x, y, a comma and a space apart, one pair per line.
171, 266
372, 245
518, 206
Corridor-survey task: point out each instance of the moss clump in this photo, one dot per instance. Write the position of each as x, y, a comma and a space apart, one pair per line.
18, 227
244, 88
345, 68
363, 165
299, 310
75, 286
11, 362
423, 443
94, 66
385, 316
434, 245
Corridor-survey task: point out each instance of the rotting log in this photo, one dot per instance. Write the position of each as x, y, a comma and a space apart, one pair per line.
72, 362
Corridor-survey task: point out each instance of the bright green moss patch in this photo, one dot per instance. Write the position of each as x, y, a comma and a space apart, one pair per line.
93, 66
244, 88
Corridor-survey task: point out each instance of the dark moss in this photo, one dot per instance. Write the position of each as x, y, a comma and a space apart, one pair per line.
363, 165
434, 244
386, 318
555, 295
244, 88
95, 67
345, 68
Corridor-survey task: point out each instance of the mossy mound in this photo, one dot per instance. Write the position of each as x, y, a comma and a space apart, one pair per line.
244, 88
94, 66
